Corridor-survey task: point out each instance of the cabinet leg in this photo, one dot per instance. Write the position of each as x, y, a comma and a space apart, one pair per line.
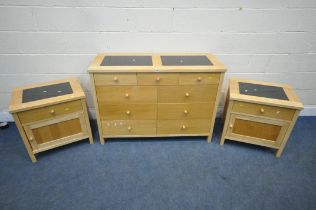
279, 152
209, 139
33, 158
101, 140
222, 140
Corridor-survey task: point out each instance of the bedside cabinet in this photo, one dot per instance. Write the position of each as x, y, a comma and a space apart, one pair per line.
260, 113
50, 114
152, 95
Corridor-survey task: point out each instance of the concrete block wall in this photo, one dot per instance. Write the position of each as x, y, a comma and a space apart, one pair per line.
42, 40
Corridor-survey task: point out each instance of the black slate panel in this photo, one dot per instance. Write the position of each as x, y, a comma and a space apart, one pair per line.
48, 91
196, 60
127, 61
262, 91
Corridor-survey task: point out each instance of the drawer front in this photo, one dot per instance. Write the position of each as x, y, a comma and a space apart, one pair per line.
199, 78
257, 130
128, 111
264, 110
198, 126
115, 79
187, 93
185, 111
157, 79
129, 127
127, 94
49, 112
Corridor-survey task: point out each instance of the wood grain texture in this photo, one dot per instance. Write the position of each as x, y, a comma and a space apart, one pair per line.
157, 79
199, 78
185, 111
201, 126
264, 110
49, 112
187, 93
128, 127
123, 111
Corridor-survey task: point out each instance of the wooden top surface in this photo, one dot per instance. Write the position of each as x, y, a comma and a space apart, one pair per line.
16, 104
292, 102
157, 65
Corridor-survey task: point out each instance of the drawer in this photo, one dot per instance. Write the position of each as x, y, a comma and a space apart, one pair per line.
263, 110
129, 127
198, 126
127, 94
115, 79
157, 79
49, 112
185, 111
187, 93
128, 111
199, 78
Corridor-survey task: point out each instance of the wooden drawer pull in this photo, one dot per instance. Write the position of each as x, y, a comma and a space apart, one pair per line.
185, 111
157, 79
129, 128
115, 79
199, 79
187, 94
230, 125
126, 95
183, 127
52, 111
31, 138
128, 112
262, 110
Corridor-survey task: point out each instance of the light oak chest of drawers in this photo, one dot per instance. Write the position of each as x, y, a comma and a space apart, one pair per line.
153, 95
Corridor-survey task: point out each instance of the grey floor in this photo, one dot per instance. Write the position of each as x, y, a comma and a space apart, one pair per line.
173, 173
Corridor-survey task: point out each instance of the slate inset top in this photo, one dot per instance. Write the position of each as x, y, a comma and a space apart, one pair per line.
48, 91
195, 60
127, 61
262, 91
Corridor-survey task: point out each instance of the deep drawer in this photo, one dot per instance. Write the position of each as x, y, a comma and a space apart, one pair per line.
197, 126
129, 127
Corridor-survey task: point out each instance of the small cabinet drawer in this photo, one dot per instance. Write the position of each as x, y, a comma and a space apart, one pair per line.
187, 93
118, 111
263, 110
185, 111
157, 78
127, 94
49, 112
196, 126
199, 78
128, 127
115, 79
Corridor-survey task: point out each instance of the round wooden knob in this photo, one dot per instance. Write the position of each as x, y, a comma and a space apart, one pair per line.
115, 79
128, 112
262, 110
52, 111
129, 128
158, 79
187, 94
126, 95
183, 127
185, 111
199, 79
231, 125
31, 138
278, 112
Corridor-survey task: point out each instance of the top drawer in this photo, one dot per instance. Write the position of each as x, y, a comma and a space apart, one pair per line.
115, 79
199, 78
157, 79
263, 110
49, 112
